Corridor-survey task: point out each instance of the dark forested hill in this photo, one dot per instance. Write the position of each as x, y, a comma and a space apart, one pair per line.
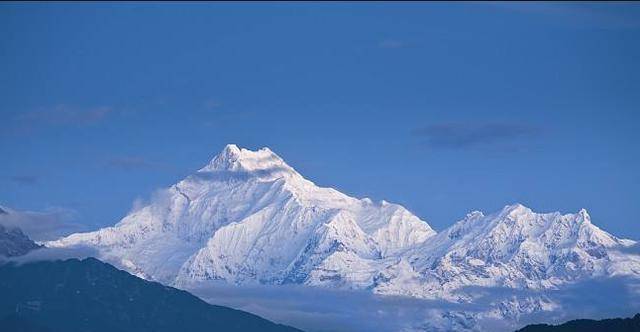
91, 296
588, 325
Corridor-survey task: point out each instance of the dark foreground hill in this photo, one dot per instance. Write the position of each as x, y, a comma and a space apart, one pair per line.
91, 296
588, 325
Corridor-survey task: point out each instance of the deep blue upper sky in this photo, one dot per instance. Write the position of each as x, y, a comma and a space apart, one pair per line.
444, 108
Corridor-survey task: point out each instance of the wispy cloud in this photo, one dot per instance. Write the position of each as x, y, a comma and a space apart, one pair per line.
215, 113
25, 179
54, 254
66, 115
472, 135
211, 104
391, 43
316, 309
604, 16
61, 116
129, 163
47, 225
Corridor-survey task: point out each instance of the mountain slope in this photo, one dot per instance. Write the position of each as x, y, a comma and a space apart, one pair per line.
514, 248
13, 242
90, 295
248, 217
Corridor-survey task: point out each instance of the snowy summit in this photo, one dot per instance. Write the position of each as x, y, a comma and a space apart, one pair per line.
249, 218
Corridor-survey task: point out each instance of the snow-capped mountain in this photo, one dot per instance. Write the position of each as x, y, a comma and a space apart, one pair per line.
514, 248
249, 218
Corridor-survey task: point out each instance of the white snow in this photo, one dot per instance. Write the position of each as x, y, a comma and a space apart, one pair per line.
249, 218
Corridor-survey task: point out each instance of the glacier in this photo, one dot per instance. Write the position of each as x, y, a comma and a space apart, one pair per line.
248, 218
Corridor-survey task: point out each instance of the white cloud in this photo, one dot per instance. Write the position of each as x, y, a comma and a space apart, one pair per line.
318, 309
42, 226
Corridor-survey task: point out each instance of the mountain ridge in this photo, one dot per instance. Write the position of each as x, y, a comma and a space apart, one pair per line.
589, 325
248, 200
13, 242
249, 218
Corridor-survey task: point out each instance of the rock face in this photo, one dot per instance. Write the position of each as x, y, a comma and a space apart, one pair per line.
249, 218
13, 242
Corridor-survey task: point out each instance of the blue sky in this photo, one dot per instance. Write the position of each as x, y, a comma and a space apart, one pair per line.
444, 108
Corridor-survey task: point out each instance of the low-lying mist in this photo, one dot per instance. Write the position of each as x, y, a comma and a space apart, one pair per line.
315, 309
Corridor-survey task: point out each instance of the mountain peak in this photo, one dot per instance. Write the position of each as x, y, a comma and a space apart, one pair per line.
515, 210
13, 242
584, 216
231, 150
236, 159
